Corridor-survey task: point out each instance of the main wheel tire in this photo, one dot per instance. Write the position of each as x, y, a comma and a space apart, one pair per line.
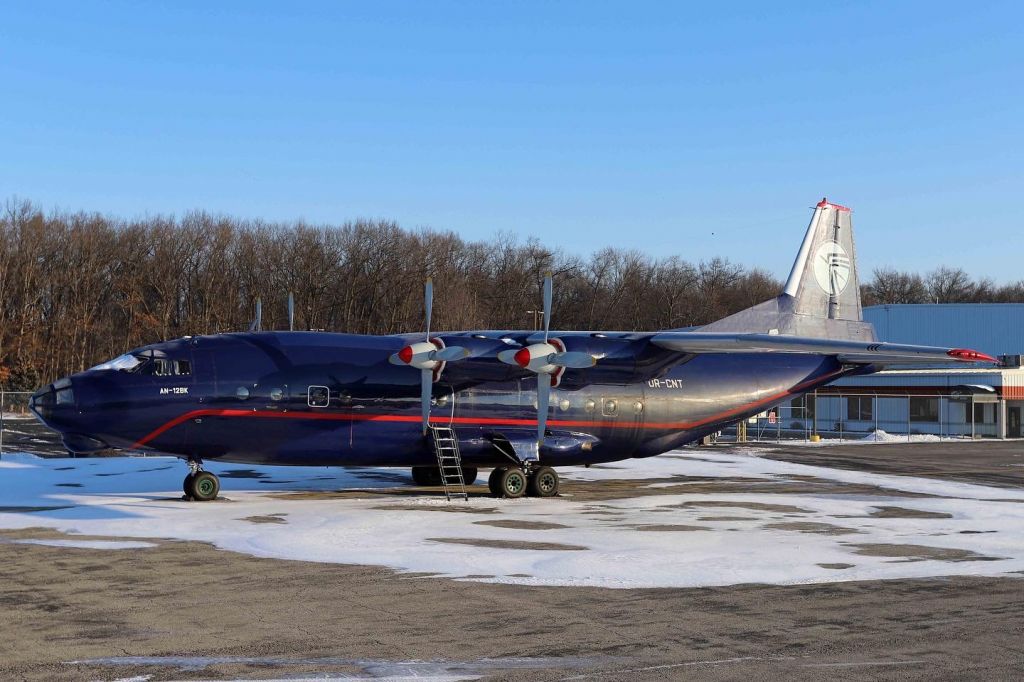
512, 482
419, 475
543, 483
204, 487
186, 485
428, 476
469, 475
492, 481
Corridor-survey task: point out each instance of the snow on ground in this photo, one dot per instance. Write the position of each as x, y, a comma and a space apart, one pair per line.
862, 438
683, 536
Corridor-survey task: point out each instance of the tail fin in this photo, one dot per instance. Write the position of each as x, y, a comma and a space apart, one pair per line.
822, 295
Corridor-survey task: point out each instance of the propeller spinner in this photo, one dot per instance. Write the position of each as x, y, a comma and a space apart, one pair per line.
428, 356
547, 360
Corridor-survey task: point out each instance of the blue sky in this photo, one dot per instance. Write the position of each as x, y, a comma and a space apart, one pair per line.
675, 128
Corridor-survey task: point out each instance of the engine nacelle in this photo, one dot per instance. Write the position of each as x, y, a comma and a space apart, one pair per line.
419, 355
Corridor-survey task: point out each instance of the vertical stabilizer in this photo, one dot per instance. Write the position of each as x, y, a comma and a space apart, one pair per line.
824, 277
822, 295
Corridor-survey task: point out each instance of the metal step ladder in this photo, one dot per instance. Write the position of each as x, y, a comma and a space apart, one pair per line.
449, 461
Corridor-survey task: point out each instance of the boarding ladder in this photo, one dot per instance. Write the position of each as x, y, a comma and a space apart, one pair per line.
449, 461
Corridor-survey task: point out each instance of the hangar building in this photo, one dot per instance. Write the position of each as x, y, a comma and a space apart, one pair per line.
973, 401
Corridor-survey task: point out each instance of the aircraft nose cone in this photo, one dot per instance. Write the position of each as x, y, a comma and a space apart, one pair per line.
49, 400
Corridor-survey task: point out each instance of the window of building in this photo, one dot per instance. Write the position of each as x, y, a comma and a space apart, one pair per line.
984, 413
319, 396
924, 409
860, 408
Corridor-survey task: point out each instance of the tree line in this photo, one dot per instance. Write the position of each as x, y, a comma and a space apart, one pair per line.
80, 288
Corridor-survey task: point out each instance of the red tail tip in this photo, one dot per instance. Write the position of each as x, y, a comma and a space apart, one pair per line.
968, 355
825, 203
405, 355
522, 357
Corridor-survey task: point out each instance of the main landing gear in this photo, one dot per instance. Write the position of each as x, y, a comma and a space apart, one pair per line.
200, 485
432, 475
514, 481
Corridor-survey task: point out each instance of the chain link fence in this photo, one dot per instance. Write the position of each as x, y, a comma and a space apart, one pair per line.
19, 431
872, 417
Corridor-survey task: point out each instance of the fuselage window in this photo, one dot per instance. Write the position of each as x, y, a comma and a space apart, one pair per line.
319, 396
163, 367
609, 409
182, 367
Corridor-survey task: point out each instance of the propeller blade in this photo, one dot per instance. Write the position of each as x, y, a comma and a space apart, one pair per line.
547, 304
451, 353
543, 398
574, 360
426, 390
291, 311
428, 303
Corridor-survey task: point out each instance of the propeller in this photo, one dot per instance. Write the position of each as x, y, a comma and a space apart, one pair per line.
428, 356
547, 360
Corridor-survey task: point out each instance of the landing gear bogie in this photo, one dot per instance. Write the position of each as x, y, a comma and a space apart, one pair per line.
513, 482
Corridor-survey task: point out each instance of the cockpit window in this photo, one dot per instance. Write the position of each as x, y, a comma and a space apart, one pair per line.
164, 367
125, 363
150, 362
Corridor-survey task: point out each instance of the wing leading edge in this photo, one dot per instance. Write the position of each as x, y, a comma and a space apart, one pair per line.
854, 352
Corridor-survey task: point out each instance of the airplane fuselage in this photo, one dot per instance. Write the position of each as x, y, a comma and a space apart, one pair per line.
303, 398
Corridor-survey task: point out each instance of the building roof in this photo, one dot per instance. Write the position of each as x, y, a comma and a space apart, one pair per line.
993, 328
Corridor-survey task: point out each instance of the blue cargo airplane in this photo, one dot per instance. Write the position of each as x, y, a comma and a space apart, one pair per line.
521, 402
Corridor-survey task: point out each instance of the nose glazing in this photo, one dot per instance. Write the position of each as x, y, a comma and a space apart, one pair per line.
45, 400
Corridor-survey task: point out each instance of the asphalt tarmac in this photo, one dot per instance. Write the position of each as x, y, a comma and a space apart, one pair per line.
183, 610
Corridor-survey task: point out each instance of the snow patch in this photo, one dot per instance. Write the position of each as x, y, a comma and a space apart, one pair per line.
731, 538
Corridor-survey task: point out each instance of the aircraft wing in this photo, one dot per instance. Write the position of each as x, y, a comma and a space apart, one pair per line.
854, 352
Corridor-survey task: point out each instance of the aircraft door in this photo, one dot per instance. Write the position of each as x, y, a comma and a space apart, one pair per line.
442, 405
622, 413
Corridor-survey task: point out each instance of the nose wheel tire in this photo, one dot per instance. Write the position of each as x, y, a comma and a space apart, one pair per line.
203, 486
186, 486
543, 482
469, 475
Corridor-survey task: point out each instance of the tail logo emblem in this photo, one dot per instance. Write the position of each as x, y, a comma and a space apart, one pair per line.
832, 267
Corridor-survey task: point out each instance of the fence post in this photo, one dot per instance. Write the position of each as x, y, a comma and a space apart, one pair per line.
972, 417
874, 411
908, 418
814, 417
841, 415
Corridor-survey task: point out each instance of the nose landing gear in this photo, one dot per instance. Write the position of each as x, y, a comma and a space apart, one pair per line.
200, 485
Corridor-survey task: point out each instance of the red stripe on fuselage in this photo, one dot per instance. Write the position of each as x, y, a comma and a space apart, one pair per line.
474, 421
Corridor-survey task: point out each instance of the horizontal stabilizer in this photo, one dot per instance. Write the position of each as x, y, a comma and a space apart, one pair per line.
855, 352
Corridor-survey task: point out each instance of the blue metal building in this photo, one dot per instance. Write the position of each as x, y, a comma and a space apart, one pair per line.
993, 328
981, 401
